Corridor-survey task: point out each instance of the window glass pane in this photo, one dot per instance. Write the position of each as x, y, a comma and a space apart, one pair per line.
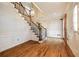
75, 18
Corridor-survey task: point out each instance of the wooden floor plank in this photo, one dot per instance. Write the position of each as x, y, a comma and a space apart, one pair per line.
34, 49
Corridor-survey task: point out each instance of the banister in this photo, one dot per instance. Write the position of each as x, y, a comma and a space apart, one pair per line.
34, 23
41, 25
27, 9
35, 26
21, 5
24, 8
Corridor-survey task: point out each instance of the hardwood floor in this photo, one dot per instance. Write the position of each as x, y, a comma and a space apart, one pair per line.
49, 48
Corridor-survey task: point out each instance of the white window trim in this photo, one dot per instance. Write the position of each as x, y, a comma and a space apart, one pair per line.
75, 19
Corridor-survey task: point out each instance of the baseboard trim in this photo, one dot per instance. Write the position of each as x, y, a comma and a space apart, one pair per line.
68, 50
13, 47
55, 37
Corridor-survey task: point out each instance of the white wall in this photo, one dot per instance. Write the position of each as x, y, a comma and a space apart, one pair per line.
54, 26
73, 38
52, 23
14, 29
76, 44
55, 29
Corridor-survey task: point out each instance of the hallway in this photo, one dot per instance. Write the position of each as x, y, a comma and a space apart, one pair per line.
51, 47
23, 24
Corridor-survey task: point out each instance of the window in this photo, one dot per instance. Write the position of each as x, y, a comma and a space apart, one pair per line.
75, 18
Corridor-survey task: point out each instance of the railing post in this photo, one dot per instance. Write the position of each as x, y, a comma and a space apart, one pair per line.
45, 32
37, 28
30, 16
40, 32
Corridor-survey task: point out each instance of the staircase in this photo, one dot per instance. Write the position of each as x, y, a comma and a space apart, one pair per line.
37, 29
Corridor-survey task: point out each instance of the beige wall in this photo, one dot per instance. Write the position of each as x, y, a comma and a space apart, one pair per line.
14, 29
77, 35
73, 37
78, 17
53, 26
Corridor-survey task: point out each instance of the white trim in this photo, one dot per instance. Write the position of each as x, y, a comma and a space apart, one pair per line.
75, 18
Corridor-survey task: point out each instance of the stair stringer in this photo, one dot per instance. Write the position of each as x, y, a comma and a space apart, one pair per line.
33, 35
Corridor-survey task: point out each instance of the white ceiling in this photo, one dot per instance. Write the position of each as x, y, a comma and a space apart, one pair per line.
54, 9
49, 7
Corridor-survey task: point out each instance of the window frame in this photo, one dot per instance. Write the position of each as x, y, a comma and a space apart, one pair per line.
75, 18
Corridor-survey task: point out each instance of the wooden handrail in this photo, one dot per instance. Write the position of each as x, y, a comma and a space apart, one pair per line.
23, 12
21, 5
43, 27
24, 9
34, 24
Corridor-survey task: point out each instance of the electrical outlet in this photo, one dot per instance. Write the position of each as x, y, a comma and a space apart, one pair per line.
58, 34
18, 39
